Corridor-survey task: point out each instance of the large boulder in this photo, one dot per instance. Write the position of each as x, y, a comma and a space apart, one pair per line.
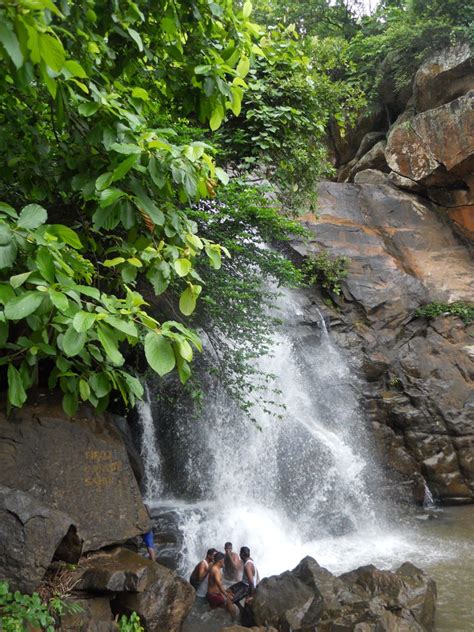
285, 602
159, 596
77, 467
435, 147
30, 533
445, 76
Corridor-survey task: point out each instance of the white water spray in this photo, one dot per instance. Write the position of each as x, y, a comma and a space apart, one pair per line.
149, 448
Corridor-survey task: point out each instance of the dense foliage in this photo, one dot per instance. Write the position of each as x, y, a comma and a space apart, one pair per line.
105, 157
94, 187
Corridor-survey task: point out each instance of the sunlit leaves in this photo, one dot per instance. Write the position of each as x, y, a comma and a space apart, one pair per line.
159, 353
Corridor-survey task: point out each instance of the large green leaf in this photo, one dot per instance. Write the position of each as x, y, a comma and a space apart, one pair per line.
8, 247
70, 403
32, 216
110, 343
52, 51
23, 305
126, 326
45, 264
159, 353
59, 300
66, 235
16, 389
182, 267
100, 384
83, 321
10, 42
73, 342
124, 167
187, 302
109, 196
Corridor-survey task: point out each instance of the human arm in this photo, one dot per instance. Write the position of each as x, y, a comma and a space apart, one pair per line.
203, 570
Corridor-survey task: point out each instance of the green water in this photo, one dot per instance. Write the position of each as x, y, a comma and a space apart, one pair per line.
453, 529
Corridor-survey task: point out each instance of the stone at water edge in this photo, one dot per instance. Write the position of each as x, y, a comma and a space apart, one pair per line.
285, 602
364, 600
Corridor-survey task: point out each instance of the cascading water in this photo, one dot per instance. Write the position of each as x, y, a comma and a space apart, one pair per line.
149, 449
287, 487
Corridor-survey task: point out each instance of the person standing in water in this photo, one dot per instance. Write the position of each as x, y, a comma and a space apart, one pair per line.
200, 575
232, 564
217, 595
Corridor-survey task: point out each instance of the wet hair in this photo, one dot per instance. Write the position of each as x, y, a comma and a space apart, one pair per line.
211, 552
245, 551
218, 556
227, 544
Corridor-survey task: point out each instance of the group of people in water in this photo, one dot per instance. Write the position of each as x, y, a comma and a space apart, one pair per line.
226, 579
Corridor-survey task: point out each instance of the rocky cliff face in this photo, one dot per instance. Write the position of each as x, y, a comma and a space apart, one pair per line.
397, 213
429, 148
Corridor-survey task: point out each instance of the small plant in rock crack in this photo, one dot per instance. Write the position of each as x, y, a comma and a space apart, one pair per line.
131, 623
465, 311
327, 271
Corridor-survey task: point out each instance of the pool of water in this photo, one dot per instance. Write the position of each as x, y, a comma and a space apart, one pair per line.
452, 531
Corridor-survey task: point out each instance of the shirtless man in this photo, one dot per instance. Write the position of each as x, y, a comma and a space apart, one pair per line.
200, 574
232, 564
217, 595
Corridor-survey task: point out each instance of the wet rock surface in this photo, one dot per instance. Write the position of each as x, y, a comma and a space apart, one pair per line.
419, 373
366, 599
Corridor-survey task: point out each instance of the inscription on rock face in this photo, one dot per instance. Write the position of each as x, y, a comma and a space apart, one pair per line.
101, 468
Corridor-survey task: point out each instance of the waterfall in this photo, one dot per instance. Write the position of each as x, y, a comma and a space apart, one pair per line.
149, 448
288, 486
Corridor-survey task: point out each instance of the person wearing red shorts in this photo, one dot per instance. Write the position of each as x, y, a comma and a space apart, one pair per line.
217, 595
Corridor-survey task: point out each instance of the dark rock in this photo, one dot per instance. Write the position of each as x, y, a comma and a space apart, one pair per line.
284, 602
30, 533
310, 598
95, 616
135, 584
119, 570
163, 605
73, 465
374, 159
136, 461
